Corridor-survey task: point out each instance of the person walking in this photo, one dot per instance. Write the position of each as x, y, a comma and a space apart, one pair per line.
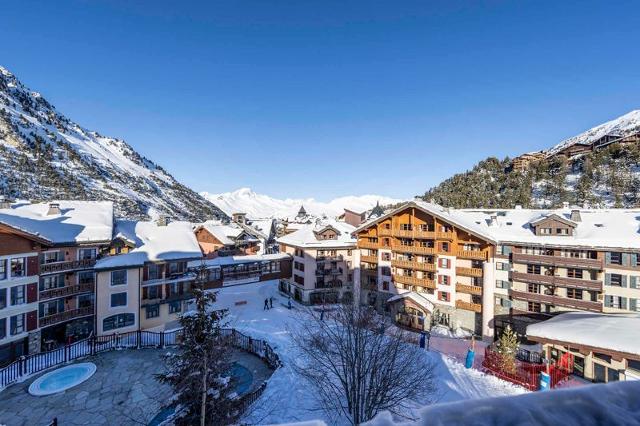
271, 302
266, 304
289, 302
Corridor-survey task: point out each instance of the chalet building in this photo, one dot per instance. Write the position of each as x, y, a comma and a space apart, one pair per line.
78, 232
323, 261
19, 250
219, 239
422, 266
514, 266
603, 347
353, 218
148, 285
235, 270
522, 162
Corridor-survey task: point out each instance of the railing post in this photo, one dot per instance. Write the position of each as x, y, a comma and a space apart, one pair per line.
23, 365
162, 339
138, 339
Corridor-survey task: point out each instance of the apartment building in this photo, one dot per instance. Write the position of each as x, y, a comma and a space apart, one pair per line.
236, 270
148, 285
514, 266
324, 254
56, 275
227, 239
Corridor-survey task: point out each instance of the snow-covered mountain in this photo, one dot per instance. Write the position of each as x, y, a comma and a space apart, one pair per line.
258, 205
44, 155
621, 126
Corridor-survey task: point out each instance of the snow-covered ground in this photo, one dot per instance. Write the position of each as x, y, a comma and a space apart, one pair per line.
288, 399
259, 205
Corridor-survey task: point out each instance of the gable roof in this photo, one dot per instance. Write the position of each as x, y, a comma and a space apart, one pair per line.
417, 298
553, 216
306, 236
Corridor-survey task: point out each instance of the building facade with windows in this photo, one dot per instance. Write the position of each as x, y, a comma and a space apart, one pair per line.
324, 255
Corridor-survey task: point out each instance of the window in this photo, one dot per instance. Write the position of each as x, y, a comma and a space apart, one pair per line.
386, 256
574, 273
534, 307
631, 363
298, 266
175, 267
533, 288
614, 258
175, 289
119, 277
298, 279
151, 292
405, 226
444, 246
386, 271
562, 231
444, 263
3, 298
51, 281
444, 279
545, 231
502, 266
18, 267
3, 328
118, 321
153, 271
51, 307
615, 302
615, 280
16, 325
153, 311
385, 285
86, 277
175, 307
118, 299
533, 269
17, 295
3, 269
52, 257
443, 296
503, 284
86, 254
85, 300
574, 293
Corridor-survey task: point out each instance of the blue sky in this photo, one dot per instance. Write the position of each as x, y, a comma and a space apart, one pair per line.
323, 99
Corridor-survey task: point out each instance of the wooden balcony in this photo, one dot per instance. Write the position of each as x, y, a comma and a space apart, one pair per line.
582, 305
472, 254
69, 290
558, 281
385, 232
48, 268
412, 264
368, 244
467, 306
369, 259
469, 272
566, 262
413, 249
66, 316
421, 282
444, 235
469, 289
413, 233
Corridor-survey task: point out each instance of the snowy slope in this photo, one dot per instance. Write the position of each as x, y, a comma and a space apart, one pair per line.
45, 155
258, 205
621, 126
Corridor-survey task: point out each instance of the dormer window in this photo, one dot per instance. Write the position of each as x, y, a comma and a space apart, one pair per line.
545, 231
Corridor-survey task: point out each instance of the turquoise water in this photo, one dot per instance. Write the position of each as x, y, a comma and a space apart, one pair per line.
240, 374
62, 379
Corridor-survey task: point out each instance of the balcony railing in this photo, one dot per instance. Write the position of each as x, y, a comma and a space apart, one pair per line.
329, 258
412, 264
472, 254
66, 291
558, 281
468, 306
368, 244
566, 302
569, 262
66, 316
386, 232
47, 268
414, 233
444, 235
369, 259
421, 282
469, 272
413, 249
333, 271
469, 289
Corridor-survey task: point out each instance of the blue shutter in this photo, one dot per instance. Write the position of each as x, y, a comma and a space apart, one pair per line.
625, 259
607, 301
633, 282
633, 304
623, 303
607, 279
607, 257
634, 259
623, 280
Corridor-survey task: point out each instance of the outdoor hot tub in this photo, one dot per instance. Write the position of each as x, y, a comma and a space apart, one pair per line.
62, 379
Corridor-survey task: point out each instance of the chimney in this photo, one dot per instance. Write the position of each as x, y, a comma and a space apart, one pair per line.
54, 209
239, 218
575, 216
5, 203
494, 220
565, 204
162, 220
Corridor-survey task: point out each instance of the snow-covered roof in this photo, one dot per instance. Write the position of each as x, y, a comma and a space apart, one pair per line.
262, 226
78, 221
154, 243
615, 332
237, 260
307, 237
225, 233
606, 228
417, 298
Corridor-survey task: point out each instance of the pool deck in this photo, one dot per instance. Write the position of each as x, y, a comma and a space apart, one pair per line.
123, 391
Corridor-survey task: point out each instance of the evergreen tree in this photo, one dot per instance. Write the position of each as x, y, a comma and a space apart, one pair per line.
507, 348
200, 372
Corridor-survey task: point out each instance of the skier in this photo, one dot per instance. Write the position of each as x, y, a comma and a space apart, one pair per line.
266, 304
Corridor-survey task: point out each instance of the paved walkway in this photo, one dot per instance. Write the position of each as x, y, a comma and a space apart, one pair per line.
123, 391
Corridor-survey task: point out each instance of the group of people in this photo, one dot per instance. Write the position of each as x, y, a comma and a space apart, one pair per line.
268, 303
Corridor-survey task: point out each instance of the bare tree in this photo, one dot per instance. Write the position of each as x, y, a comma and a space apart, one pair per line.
360, 365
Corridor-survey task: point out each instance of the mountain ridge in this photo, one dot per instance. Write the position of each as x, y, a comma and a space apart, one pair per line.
45, 155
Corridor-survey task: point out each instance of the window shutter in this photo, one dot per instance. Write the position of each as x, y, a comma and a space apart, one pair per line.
625, 259
506, 250
633, 259
32, 292
607, 257
607, 301
623, 280
623, 303
32, 320
633, 304
633, 282
607, 279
